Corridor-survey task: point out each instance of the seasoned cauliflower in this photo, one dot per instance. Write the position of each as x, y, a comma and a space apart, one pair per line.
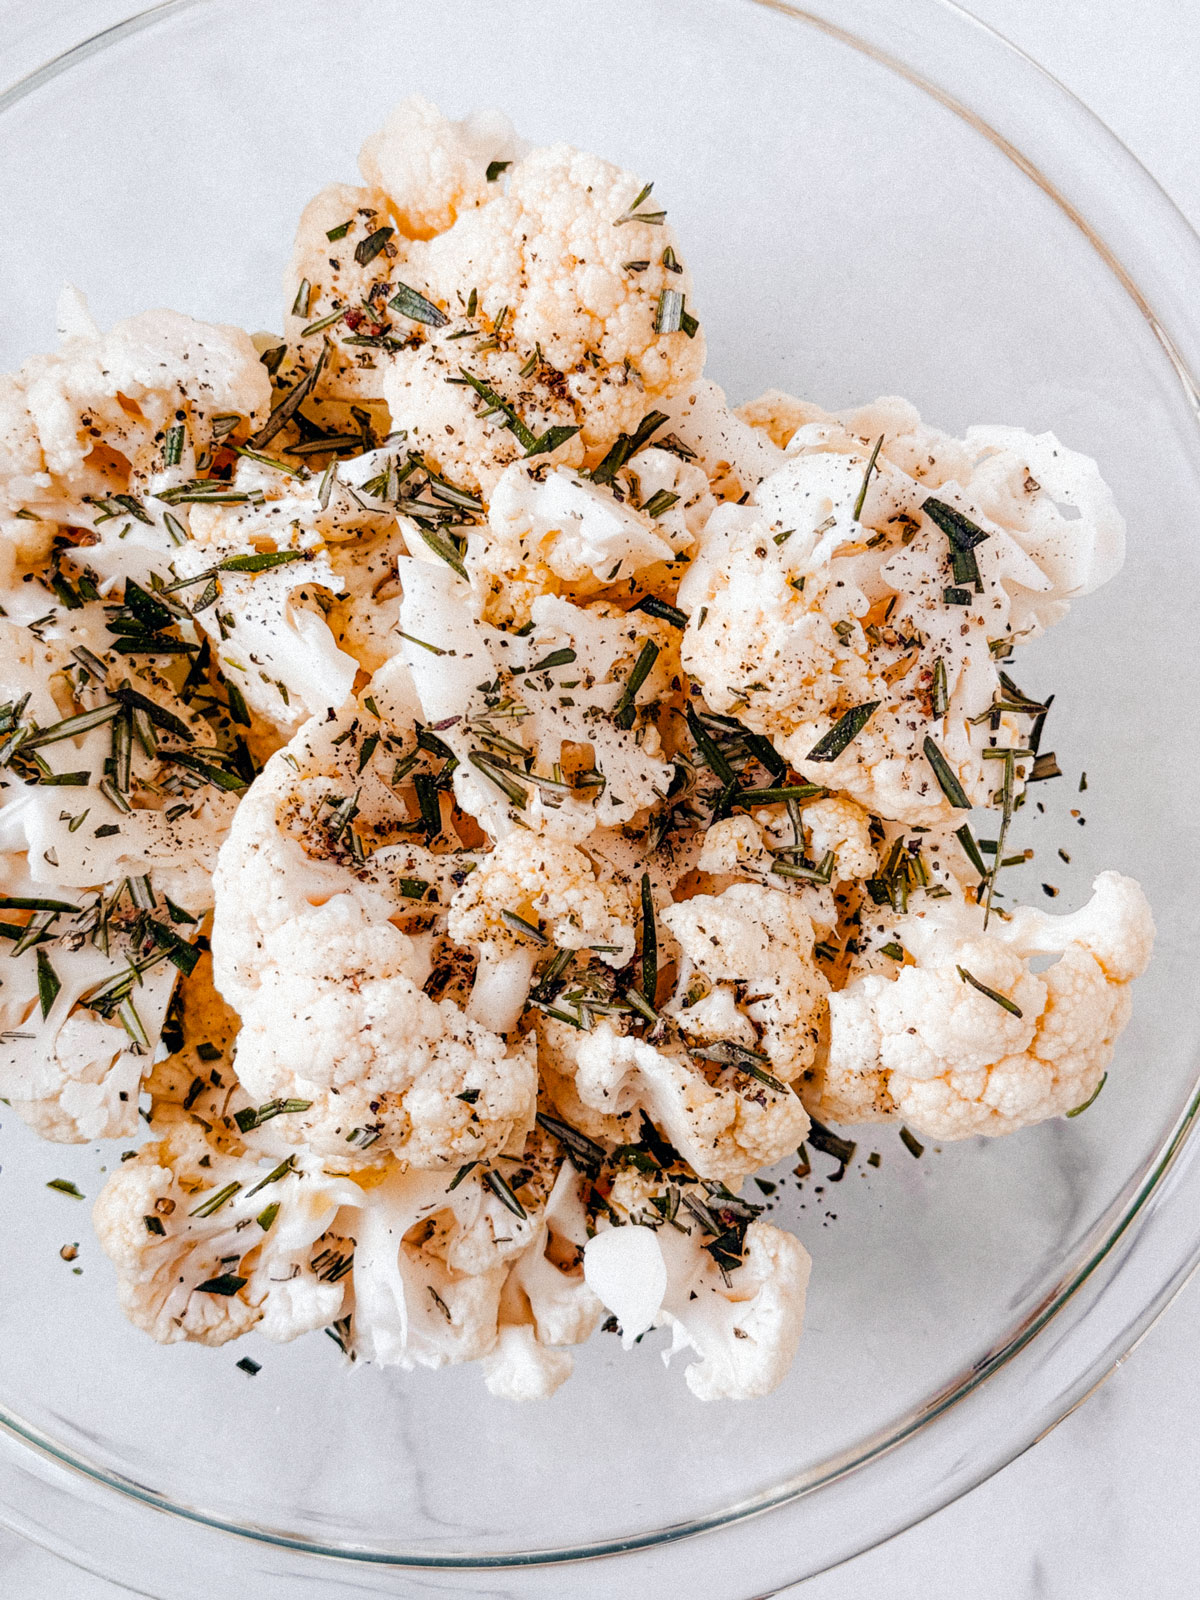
339, 1019
849, 615
552, 727
726, 1122
92, 419
743, 1319
969, 1038
554, 531
528, 884
208, 1245
753, 946
472, 790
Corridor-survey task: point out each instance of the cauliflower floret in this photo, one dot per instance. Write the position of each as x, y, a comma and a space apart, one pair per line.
778, 415
546, 1302
339, 1019
734, 455
92, 418
301, 835
429, 1267
431, 169
857, 636
743, 1321
745, 1324
102, 865
526, 892
548, 248
968, 1038
421, 171
553, 694
547, 530
843, 828
757, 945
72, 1074
725, 1127
270, 635
207, 1245
472, 413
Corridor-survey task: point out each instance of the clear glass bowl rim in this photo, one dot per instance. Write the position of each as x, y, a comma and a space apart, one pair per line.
1100, 1309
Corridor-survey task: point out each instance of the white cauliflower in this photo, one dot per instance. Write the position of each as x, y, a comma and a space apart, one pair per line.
92, 419
555, 530
855, 642
743, 1320
536, 720
753, 946
421, 171
546, 1302
301, 835
725, 1123
107, 856
744, 1324
433, 170
968, 1038
330, 991
208, 1244
530, 891
734, 455
429, 1266
339, 1019
554, 247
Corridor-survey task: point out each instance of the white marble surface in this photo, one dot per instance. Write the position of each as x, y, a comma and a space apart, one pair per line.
1104, 1508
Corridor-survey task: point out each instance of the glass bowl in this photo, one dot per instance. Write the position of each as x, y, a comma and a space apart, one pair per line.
874, 198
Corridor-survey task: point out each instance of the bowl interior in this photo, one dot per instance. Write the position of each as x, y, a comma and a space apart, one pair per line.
849, 236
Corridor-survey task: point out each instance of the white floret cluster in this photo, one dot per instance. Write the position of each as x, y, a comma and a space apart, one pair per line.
482, 798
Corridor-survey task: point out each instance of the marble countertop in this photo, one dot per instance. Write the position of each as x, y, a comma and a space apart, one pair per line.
1105, 1506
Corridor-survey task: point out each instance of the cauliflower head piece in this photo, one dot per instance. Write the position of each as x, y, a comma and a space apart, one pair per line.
968, 1038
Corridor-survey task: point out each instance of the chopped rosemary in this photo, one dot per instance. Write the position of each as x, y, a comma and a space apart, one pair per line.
442, 545
228, 1283
625, 710
551, 439
416, 308
327, 321
212, 1203
276, 1173
668, 317
823, 1139
946, 777
495, 168
48, 982
512, 420
660, 503
173, 445
627, 445
340, 232
967, 839
283, 412
654, 607
1045, 766
862, 493
527, 930
1079, 1110
939, 695
911, 1143
367, 249
844, 731
1001, 999
649, 941
586, 1154
65, 1186
494, 1181
249, 1118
